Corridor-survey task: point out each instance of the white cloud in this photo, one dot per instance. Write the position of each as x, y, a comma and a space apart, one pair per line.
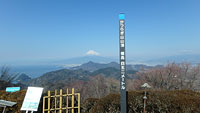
92, 52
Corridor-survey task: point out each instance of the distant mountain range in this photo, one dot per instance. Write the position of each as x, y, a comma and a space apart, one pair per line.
92, 66
58, 79
36, 71
92, 63
22, 78
62, 77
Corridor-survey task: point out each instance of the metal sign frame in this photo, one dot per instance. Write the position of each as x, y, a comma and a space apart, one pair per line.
4, 104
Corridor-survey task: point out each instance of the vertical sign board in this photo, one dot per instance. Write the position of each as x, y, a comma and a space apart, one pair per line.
122, 64
32, 99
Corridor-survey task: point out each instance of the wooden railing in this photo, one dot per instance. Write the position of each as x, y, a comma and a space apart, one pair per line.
61, 103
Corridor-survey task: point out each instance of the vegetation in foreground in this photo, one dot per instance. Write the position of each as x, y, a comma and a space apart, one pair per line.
176, 101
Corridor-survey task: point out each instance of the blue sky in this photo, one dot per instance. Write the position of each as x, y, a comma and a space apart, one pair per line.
57, 29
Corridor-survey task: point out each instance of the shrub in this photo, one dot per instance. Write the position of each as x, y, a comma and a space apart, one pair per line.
88, 104
183, 101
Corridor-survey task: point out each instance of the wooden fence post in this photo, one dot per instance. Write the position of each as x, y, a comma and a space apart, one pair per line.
49, 99
55, 100
61, 101
67, 100
43, 105
72, 100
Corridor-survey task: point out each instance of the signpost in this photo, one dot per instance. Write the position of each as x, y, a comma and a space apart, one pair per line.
145, 86
122, 64
32, 99
12, 89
